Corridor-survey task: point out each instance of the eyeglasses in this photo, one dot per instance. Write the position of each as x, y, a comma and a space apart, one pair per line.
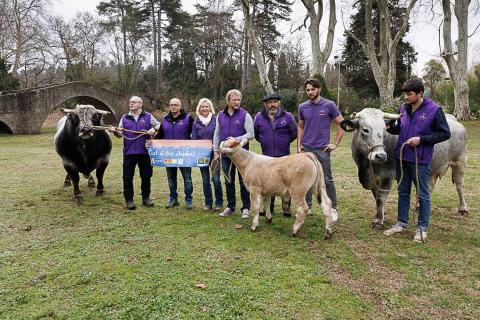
135, 102
174, 104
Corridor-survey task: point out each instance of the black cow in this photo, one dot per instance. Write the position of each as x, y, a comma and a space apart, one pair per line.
82, 148
373, 152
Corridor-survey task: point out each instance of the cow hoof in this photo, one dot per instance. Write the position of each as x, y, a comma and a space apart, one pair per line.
463, 212
328, 235
268, 220
293, 234
77, 198
377, 226
91, 185
253, 229
67, 184
100, 192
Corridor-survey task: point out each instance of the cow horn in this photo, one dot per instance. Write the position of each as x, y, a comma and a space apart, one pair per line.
64, 110
102, 112
391, 116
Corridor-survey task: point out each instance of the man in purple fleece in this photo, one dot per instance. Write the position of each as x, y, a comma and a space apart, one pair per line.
275, 129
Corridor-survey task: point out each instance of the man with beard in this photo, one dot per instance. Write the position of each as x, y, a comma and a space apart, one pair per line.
275, 129
315, 117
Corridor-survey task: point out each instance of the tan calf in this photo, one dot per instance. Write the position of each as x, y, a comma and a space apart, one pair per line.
290, 176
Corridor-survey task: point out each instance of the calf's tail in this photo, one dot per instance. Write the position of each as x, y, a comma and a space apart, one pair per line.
319, 188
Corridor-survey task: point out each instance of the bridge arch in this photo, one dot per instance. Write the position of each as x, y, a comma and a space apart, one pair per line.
25, 111
5, 128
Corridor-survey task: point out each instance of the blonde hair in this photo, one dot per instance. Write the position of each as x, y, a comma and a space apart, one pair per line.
233, 92
207, 101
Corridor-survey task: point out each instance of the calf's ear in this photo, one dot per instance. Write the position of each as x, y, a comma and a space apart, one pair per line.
349, 125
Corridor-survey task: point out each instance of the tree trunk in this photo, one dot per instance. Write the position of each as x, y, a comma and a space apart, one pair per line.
246, 61
262, 70
320, 57
159, 69
457, 68
155, 54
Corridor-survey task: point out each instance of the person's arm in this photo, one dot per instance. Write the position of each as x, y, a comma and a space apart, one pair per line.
300, 129
250, 132
338, 135
292, 127
115, 132
441, 130
155, 126
194, 132
255, 127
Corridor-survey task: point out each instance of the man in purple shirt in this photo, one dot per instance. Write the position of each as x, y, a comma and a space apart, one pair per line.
315, 117
275, 129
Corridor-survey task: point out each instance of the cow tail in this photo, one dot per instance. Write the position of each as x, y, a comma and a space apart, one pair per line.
319, 183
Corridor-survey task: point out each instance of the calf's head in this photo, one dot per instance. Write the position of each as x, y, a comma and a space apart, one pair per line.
83, 118
369, 130
231, 145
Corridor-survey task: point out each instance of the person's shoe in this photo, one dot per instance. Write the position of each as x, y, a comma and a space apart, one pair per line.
172, 203
225, 213
207, 208
287, 214
262, 213
147, 202
245, 213
188, 204
131, 205
394, 230
334, 215
218, 208
420, 236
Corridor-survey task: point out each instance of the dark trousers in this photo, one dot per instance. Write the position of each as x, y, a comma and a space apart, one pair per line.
229, 167
324, 158
146, 170
207, 188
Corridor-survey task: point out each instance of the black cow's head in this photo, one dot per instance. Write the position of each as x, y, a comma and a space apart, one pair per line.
369, 130
83, 119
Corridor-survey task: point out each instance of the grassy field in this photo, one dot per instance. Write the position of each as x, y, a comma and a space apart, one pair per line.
100, 261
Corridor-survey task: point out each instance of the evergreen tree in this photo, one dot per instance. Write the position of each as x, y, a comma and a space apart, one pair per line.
7, 81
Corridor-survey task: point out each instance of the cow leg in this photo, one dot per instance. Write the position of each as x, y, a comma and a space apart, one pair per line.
68, 181
99, 173
73, 174
302, 209
255, 199
91, 181
458, 173
266, 199
380, 201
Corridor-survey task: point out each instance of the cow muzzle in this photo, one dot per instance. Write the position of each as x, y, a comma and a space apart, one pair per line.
377, 154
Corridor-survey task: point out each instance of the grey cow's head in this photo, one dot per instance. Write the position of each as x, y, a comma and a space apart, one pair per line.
83, 118
369, 130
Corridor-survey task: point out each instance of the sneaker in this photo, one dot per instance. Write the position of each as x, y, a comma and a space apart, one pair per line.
207, 208
218, 208
334, 215
131, 205
147, 202
394, 230
225, 213
172, 203
188, 204
420, 236
245, 213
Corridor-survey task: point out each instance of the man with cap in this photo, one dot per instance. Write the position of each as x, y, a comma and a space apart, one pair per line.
275, 129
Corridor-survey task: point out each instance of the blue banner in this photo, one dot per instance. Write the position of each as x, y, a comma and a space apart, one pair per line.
180, 153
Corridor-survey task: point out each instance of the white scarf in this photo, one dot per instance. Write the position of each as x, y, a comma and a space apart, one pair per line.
205, 121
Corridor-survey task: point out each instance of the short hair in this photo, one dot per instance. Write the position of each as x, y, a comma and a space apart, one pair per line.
313, 82
207, 101
415, 85
233, 92
180, 101
136, 99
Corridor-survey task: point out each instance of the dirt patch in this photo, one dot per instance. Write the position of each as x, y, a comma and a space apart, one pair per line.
52, 119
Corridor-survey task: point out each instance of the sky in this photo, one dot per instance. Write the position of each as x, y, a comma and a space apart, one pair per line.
423, 34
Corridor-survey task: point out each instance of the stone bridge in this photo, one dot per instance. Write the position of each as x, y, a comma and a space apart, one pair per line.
24, 111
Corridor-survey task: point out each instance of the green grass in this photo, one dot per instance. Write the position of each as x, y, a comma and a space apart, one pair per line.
100, 261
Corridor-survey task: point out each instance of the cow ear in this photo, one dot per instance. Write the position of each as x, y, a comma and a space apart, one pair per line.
349, 125
390, 123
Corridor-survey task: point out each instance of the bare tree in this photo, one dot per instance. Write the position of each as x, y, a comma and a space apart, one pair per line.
262, 69
457, 67
383, 57
319, 56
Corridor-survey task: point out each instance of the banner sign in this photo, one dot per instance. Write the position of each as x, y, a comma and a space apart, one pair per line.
179, 153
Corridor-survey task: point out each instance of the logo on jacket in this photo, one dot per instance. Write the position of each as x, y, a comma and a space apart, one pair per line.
283, 121
236, 122
322, 112
422, 117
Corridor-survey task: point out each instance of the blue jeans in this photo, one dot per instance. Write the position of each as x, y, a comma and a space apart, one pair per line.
230, 186
187, 182
404, 191
207, 188
324, 158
